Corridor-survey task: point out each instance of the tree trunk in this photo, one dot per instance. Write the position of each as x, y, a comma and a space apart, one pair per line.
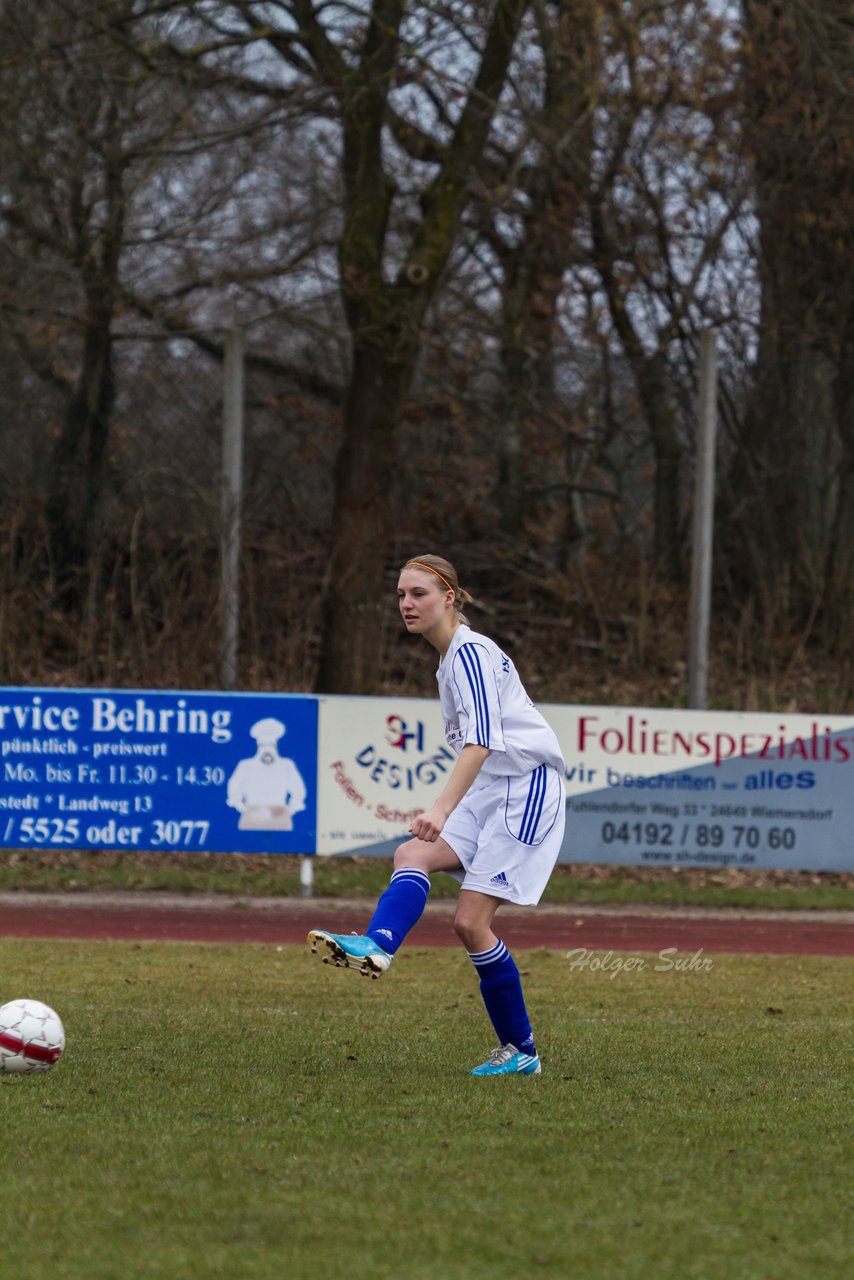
557, 186
653, 387
651, 380
355, 581
386, 322
514, 406
838, 620
77, 466
533, 480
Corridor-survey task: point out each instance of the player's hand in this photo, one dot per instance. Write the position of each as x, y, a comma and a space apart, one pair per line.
428, 825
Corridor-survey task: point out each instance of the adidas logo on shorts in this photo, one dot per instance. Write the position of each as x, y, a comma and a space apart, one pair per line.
500, 879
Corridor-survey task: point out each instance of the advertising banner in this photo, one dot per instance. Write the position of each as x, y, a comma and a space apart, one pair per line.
380, 762
124, 769
707, 788
279, 773
644, 787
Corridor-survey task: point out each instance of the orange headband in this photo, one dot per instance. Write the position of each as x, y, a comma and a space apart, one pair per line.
416, 564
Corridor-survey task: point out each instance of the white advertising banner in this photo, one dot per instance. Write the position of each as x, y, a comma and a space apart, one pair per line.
381, 761
707, 788
644, 787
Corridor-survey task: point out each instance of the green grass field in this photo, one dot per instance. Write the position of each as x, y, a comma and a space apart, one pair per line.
245, 1112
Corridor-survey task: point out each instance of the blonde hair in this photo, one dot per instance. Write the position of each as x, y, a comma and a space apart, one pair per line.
445, 570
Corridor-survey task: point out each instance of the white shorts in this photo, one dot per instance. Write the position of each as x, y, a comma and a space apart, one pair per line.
508, 835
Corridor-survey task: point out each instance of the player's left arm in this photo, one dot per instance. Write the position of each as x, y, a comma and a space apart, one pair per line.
428, 825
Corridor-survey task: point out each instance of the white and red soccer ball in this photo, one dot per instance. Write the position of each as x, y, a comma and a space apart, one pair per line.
32, 1037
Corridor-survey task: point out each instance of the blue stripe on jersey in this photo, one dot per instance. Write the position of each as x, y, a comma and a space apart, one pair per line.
534, 806
471, 665
474, 685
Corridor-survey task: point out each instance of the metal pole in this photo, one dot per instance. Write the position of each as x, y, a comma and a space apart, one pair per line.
232, 476
704, 512
306, 876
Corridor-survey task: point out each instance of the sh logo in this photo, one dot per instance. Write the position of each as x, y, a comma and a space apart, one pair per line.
399, 735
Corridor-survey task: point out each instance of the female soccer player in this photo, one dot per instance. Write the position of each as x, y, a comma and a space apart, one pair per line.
498, 824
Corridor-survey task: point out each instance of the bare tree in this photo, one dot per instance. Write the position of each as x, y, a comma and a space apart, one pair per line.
118, 190
534, 237
665, 197
83, 130
378, 71
793, 476
64, 178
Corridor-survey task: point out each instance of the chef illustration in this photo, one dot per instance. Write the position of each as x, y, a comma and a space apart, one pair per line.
267, 789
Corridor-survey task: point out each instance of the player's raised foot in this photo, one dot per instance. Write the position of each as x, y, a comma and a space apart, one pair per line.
350, 951
506, 1060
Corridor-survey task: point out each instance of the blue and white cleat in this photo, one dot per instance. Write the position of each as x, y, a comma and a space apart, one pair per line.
351, 951
506, 1060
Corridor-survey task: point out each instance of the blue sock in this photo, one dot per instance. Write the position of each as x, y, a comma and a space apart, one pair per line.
399, 908
501, 988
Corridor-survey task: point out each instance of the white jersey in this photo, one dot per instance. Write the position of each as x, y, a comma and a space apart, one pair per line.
484, 702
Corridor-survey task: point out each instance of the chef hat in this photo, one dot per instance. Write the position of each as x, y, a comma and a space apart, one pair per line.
269, 730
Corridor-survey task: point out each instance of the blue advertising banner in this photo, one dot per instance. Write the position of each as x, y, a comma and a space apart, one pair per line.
143, 769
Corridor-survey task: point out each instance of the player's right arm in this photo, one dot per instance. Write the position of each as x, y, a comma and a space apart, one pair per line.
428, 825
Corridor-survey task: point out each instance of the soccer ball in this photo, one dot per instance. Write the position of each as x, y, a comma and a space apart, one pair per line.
32, 1036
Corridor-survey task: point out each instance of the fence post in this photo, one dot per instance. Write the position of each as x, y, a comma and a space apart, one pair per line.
232, 476
306, 875
703, 526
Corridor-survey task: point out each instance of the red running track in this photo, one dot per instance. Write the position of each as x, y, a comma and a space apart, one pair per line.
289, 922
